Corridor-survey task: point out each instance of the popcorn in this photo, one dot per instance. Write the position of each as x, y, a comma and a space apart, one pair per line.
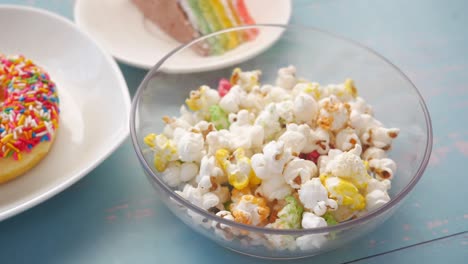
289, 217
171, 175
222, 230
346, 139
377, 194
349, 166
218, 117
246, 80
254, 156
373, 153
190, 146
269, 120
317, 140
305, 109
380, 137
173, 123
346, 193
308, 242
276, 156
232, 100
202, 99
208, 170
218, 140
285, 112
199, 197
250, 210
239, 171
383, 168
188, 171
310, 88
293, 139
333, 114
359, 105
164, 150
274, 94
247, 136
299, 171
286, 77
345, 92
314, 196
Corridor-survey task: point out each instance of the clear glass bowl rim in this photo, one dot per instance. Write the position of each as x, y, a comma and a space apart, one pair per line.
294, 232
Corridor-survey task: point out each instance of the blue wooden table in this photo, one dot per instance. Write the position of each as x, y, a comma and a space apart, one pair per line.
113, 216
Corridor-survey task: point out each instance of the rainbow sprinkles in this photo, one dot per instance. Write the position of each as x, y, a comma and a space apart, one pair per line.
29, 106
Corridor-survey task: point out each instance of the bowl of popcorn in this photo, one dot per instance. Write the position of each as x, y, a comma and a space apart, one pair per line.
294, 152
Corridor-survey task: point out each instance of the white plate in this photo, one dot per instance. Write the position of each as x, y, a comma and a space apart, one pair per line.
94, 102
121, 28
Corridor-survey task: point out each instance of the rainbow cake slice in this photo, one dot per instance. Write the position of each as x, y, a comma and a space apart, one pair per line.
185, 20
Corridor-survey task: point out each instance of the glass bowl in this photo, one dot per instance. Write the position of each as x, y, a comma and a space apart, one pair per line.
318, 56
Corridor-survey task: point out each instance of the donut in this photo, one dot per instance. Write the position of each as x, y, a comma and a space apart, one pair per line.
29, 115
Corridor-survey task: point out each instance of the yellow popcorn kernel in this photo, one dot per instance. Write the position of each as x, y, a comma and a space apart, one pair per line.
222, 157
313, 88
351, 195
165, 151
350, 87
238, 180
149, 140
235, 76
196, 101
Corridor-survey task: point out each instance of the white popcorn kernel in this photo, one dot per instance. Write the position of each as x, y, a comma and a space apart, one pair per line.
362, 122
218, 140
293, 139
171, 175
380, 137
309, 88
333, 114
208, 169
188, 171
246, 80
209, 200
268, 119
377, 194
299, 171
376, 199
190, 147
314, 241
276, 156
324, 159
360, 106
373, 153
314, 196
383, 168
232, 100
285, 111
274, 94
346, 139
244, 134
348, 165
274, 188
222, 230
286, 77
259, 166
305, 109
318, 140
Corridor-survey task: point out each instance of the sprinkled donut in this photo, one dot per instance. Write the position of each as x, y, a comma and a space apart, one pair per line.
29, 115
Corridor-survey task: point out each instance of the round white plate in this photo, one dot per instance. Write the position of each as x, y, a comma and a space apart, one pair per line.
94, 102
122, 29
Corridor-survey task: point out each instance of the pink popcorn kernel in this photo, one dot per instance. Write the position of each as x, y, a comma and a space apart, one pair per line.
223, 87
312, 156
